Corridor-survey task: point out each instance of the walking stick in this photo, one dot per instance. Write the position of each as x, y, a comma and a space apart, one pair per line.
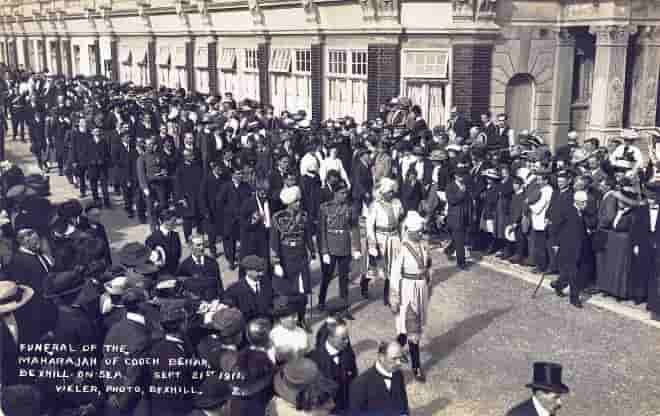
539, 285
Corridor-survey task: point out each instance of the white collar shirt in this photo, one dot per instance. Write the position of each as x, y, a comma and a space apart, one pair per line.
334, 352
386, 375
539, 408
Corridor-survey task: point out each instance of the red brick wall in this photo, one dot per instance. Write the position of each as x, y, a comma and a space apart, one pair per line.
153, 71
213, 70
317, 82
472, 67
263, 61
384, 69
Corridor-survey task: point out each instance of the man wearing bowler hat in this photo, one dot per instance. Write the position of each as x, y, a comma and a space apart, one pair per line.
547, 389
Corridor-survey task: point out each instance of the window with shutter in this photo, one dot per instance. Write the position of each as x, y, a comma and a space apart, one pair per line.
280, 60
227, 59
250, 61
426, 64
337, 62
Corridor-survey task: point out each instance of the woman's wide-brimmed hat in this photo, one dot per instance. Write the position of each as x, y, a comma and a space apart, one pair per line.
13, 296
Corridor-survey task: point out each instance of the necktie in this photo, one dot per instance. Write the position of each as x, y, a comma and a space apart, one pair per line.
257, 288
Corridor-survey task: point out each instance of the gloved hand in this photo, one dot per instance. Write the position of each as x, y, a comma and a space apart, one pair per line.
326, 258
278, 270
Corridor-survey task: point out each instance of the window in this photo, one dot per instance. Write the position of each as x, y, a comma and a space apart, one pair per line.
53, 57
583, 77
164, 56
337, 62
280, 60
359, 63
303, 61
107, 68
92, 58
426, 64
202, 80
2, 53
227, 59
251, 60
76, 60
40, 56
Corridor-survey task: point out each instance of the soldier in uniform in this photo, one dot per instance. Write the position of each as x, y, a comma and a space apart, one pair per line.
410, 289
382, 229
292, 245
338, 236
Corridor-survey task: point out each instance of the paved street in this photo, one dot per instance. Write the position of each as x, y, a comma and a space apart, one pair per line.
483, 334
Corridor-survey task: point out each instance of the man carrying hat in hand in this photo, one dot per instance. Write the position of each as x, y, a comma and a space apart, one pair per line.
547, 389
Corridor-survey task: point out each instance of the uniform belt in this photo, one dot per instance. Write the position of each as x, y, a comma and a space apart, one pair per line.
292, 243
415, 276
337, 231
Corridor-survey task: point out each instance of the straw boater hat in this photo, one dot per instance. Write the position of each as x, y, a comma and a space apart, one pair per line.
13, 296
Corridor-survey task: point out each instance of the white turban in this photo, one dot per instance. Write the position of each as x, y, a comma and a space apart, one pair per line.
386, 185
290, 195
309, 164
580, 196
414, 222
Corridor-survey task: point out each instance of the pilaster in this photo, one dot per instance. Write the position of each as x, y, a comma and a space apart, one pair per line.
609, 80
644, 97
562, 88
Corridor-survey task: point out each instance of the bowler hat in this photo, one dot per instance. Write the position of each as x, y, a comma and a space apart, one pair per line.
287, 305
547, 377
63, 283
294, 377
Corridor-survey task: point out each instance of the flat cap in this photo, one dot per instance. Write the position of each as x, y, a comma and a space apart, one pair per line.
228, 322
255, 263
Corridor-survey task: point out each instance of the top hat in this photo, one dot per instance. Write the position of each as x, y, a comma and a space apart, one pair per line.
294, 377
547, 377
13, 296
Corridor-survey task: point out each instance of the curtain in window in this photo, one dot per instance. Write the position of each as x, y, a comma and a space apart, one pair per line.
437, 106
181, 78
202, 81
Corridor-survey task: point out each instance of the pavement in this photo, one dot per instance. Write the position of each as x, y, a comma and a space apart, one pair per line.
483, 334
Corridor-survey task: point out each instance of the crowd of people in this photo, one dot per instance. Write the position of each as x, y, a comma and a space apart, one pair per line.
279, 191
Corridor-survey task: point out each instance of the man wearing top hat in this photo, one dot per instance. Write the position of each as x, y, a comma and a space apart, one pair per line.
459, 214
98, 162
547, 388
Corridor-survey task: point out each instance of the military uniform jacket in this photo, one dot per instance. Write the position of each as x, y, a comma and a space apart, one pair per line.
291, 233
338, 235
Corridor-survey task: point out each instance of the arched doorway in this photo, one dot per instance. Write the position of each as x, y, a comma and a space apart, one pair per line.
520, 102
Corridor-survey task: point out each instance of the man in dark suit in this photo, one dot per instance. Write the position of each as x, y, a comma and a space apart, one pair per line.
458, 215
231, 197
170, 347
81, 143
253, 296
560, 202
203, 271
98, 161
547, 389
381, 389
459, 123
166, 241
362, 182
255, 223
132, 338
30, 267
210, 206
124, 159
277, 182
572, 245
336, 361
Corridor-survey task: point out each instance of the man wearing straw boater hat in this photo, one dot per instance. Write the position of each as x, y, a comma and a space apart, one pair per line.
12, 298
547, 389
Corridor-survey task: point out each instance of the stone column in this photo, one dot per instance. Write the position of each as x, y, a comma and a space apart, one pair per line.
609, 81
644, 98
562, 86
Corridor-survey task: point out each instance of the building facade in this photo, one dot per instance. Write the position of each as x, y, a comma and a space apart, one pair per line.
552, 65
